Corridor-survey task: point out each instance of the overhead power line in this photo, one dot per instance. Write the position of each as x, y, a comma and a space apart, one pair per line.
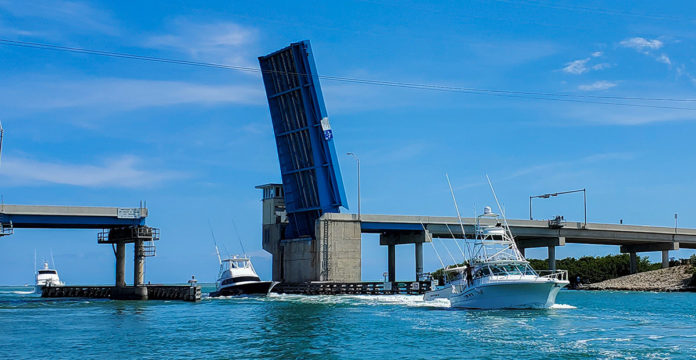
549, 96
601, 11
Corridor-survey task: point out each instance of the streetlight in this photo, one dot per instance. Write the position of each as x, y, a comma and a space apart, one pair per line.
546, 196
357, 159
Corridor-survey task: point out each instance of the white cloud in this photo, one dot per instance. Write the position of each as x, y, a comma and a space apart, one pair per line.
597, 85
626, 116
641, 44
681, 71
576, 67
125, 171
663, 58
222, 41
601, 66
554, 166
594, 158
67, 14
582, 66
116, 94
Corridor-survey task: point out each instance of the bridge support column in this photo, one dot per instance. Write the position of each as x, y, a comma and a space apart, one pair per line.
552, 257
120, 264
419, 260
138, 263
633, 262
392, 262
522, 251
664, 247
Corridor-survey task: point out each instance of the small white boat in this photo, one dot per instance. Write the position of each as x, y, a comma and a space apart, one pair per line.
238, 277
47, 277
496, 275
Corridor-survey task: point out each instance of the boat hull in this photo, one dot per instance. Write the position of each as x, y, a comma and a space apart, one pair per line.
509, 295
248, 288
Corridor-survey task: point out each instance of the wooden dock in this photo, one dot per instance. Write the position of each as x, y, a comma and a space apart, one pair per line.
357, 288
145, 292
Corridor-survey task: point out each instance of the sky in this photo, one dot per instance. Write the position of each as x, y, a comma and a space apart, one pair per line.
193, 142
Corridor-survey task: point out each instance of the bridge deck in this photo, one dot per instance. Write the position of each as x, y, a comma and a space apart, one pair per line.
528, 230
70, 217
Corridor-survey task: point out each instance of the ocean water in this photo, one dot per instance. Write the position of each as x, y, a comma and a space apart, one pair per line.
586, 325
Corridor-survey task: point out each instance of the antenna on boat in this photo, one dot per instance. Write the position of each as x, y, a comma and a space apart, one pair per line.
434, 249
35, 270
53, 263
500, 208
217, 251
238, 237
461, 225
502, 213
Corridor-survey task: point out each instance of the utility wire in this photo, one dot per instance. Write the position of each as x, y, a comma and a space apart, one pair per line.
611, 12
549, 96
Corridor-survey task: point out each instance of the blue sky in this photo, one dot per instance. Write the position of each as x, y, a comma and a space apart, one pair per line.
193, 142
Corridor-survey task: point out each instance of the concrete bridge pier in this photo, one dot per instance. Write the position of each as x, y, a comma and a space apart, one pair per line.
391, 262
119, 237
550, 243
120, 264
138, 263
419, 260
664, 247
393, 238
552, 257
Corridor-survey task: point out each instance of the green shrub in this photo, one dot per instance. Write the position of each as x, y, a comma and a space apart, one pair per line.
590, 269
596, 269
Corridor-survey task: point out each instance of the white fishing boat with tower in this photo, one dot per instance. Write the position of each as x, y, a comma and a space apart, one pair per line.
237, 275
495, 274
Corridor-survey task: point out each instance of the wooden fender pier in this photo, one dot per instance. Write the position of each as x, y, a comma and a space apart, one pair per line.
353, 288
145, 292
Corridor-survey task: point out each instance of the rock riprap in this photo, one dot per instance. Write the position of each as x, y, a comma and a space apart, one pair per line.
677, 278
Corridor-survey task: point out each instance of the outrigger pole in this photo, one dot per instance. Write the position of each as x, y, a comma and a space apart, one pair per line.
461, 225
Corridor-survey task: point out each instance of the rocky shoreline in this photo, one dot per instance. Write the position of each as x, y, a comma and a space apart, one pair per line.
677, 278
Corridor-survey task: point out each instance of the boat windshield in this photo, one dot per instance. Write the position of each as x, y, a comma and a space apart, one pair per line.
47, 272
235, 263
503, 270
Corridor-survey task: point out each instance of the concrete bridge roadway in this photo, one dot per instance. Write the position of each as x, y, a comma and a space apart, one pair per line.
402, 229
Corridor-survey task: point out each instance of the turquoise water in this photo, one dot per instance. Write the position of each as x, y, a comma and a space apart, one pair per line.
586, 325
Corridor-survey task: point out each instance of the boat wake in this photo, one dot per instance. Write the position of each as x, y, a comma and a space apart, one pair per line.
361, 300
23, 292
562, 306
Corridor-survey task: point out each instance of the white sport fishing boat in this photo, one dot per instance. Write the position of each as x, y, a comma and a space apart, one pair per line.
495, 275
47, 277
238, 277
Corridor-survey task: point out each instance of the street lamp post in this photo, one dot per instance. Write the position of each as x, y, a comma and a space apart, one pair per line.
546, 196
357, 159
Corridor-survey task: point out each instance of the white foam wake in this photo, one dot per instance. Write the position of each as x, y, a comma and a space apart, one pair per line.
562, 306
